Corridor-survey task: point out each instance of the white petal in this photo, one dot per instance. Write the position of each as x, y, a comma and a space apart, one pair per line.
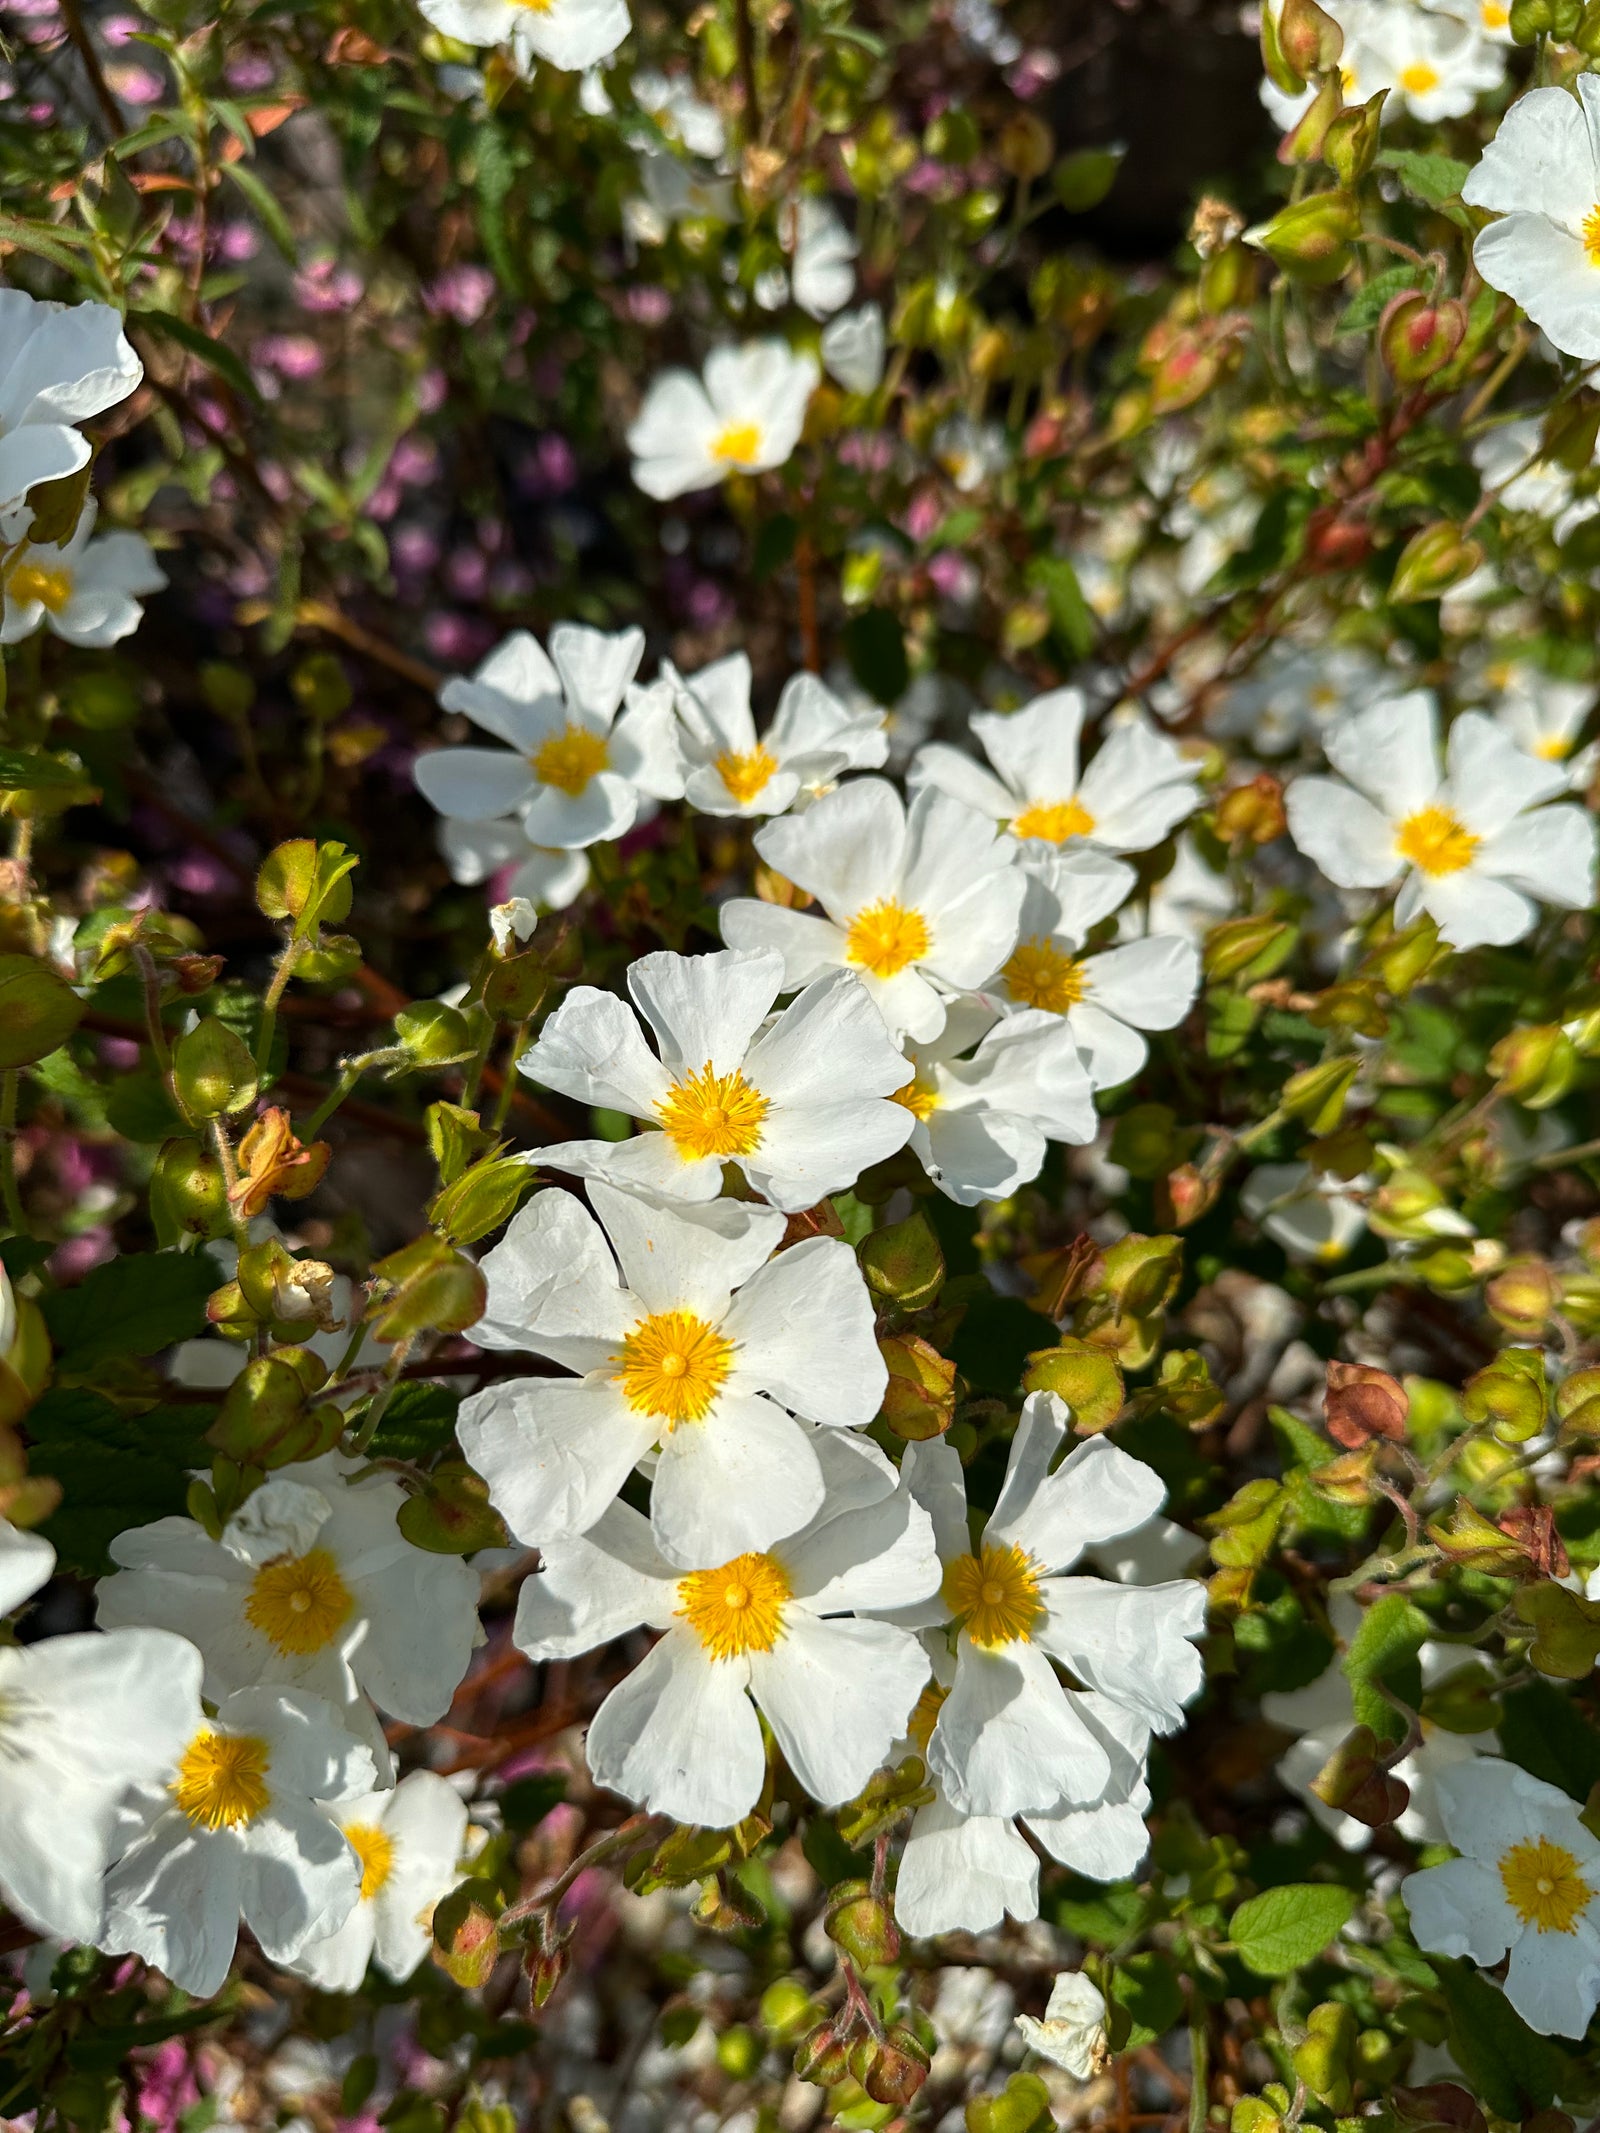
874, 1557
705, 1010
1095, 1494
1549, 854
1460, 1908
1129, 1642
173, 1899
685, 1258
595, 667
595, 1587
963, 1874
736, 1482
1547, 271
837, 1696
847, 851
804, 1326
1342, 832
554, 1454
1541, 157
26, 1562
1553, 1980
1150, 983
553, 1286
1007, 1739
592, 1049
810, 946
473, 784
680, 1735
956, 774
1390, 752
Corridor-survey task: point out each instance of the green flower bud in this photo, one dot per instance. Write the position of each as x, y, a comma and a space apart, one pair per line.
1248, 948
1086, 1378
430, 1289
862, 1925
482, 1198
738, 2052
515, 989
188, 1192
213, 1071
450, 1514
334, 959
1523, 1296
1531, 20
38, 1011
1311, 41
1317, 1094
1023, 2106
1578, 1403
821, 2058
1350, 145
1536, 1064
1311, 239
1417, 338
1141, 1273
919, 1400
433, 1034
903, 1263
1323, 2060
1431, 562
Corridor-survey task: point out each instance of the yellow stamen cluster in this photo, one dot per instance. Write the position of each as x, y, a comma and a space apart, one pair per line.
1419, 78
748, 774
1039, 974
885, 937
920, 1098
1054, 821
1591, 234
925, 1714
672, 1366
713, 1114
32, 581
569, 759
299, 1603
738, 1607
739, 445
1543, 1885
1436, 841
995, 1595
374, 1848
222, 1779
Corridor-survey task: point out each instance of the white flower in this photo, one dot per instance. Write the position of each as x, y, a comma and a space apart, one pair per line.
1510, 461
26, 1562
853, 349
570, 34
969, 452
544, 875
1293, 694
982, 1123
82, 1718
822, 276
1312, 1215
681, 113
237, 1832
812, 741
60, 364
312, 1585
1541, 175
1435, 66
1528, 1881
1188, 900
799, 1104
1320, 1713
1106, 998
1544, 716
88, 592
693, 1337
579, 772
1009, 1738
744, 415
759, 1630
1073, 2032
407, 1843
920, 902
1491, 18
1474, 846
1137, 789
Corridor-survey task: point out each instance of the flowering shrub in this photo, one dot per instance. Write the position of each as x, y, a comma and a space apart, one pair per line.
799, 1012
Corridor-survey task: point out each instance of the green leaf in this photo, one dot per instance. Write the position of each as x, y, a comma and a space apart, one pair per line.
21, 770
1385, 1649
1432, 179
526, 1801
136, 1305
211, 352
877, 655
272, 217
1543, 1731
1146, 1986
1512, 2072
116, 1470
774, 545
1370, 301
1289, 1927
1274, 542
1106, 1917
139, 1108
419, 1421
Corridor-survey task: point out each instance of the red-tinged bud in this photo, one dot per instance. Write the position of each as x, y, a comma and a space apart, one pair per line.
896, 2068
1188, 1195
1311, 239
821, 2058
1304, 140
1440, 2107
1310, 40
1417, 338
1536, 1064
1524, 1296
1363, 1403
1335, 542
466, 1939
1278, 70
1252, 813
861, 1925
1354, 1781
1431, 562
1578, 1404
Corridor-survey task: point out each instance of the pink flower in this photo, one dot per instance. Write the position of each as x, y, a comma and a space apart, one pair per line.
324, 285
463, 293
415, 460
293, 355
922, 515
649, 305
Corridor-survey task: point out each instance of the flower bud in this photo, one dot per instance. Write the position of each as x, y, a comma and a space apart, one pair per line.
1354, 1781
821, 2058
919, 1400
1248, 948
1026, 149
903, 1263
515, 989
1323, 2058
466, 1940
1523, 1296
861, 1925
738, 2051
229, 690
1311, 239
1407, 957
1417, 338
1431, 562
289, 1292
1086, 1378
1362, 1403
431, 1289
1350, 145
1318, 1093
188, 1191
1023, 2106
1448, 1270
1141, 1273
1531, 20
1274, 63
482, 1198
334, 959
321, 687
38, 1011
1537, 1064
263, 1420
1476, 1542
450, 1513
1303, 141
433, 1034
896, 2068
1578, 1403
273, 1162
229, 1313
213, 1071
1310, 40
1509, 1394
1252, 813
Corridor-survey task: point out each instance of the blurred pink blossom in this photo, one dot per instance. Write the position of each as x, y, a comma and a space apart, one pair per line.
463, 293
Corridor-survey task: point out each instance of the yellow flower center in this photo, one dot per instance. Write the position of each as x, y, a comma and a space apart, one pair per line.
374, 1847
32, 581
1039, 975
299, 1603
918, 1097
1436, 841
1419, 78
885, 937
535, 7
739, 444
570, 758
1054, 821
925, 1714
673, 1365
746, 775
1553, 748
995, 1594
222, 1779
737, 1607
1494, 16
1591, 234
1543, 1885
713, 1114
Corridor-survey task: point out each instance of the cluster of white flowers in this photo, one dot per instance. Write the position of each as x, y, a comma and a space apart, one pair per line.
1434, 61
213, 1755
61, 365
